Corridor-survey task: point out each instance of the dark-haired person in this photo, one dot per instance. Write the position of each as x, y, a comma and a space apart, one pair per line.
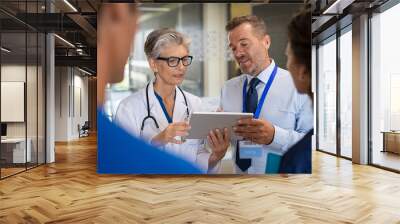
298, 158
167, 53
282, 116
118, 151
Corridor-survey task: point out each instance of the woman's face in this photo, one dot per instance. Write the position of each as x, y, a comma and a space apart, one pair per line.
301, 79
168, 74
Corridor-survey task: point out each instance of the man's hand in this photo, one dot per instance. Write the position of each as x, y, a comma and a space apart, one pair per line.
256, 130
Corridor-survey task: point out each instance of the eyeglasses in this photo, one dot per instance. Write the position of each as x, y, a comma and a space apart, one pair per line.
174, 61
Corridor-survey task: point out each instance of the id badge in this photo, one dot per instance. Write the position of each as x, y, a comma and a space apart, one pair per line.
250, 150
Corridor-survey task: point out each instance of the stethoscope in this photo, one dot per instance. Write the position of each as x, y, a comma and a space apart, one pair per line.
152, 117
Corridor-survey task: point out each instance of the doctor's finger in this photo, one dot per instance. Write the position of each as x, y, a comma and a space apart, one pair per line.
181, 133
213, 137
248, 124
219, 136
180, 123
181, 127
226, 134
183, 130
249, 135
245, 120
210, 142
247, 129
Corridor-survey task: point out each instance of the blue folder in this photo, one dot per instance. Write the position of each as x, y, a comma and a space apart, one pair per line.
273, 163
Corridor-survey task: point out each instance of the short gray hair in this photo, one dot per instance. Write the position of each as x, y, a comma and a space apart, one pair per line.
160, 38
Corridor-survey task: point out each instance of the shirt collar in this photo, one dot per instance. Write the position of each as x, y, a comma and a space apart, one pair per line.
265, 74
179, 98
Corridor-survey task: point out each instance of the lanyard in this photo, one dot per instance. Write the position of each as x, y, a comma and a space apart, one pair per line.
263, 96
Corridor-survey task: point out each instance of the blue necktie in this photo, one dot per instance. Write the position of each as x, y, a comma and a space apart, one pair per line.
251, 107
252, 96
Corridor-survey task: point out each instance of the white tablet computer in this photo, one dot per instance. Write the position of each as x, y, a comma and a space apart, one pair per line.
203, 122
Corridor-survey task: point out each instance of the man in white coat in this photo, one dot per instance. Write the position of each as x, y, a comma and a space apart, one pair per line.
282, 116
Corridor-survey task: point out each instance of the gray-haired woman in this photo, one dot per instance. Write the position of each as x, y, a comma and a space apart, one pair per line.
159, 112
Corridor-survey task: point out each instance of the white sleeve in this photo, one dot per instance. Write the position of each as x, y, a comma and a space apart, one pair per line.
284, 138
197, 104
126, 119
203, 156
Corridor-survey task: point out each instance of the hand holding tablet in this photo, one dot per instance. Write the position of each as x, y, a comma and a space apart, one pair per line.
203, 122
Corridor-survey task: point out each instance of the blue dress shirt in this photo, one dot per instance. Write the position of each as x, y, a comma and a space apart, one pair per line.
290, 112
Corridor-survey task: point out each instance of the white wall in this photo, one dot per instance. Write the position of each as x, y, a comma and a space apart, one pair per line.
79, 117
33, 126
17, 73
12, 73
71, 93
61, 103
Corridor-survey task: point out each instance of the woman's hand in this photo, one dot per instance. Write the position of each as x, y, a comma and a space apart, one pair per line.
219, 142
168, 135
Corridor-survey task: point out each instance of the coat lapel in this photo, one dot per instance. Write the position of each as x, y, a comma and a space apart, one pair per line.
180, 107
155, 108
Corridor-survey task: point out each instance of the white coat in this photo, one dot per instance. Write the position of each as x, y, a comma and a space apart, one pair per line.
133, 109
291, 113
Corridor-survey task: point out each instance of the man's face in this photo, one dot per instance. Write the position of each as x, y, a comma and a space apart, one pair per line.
249, 49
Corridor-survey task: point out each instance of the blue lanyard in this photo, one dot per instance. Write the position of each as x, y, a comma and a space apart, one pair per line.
169, 119
263, 96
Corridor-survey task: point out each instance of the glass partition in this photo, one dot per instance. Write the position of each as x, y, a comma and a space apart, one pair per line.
327, 96
13, 105
385, 89
31, 98
346, 92
22, 88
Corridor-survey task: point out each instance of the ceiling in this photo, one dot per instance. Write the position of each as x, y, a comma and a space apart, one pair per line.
74, 21
330, 16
